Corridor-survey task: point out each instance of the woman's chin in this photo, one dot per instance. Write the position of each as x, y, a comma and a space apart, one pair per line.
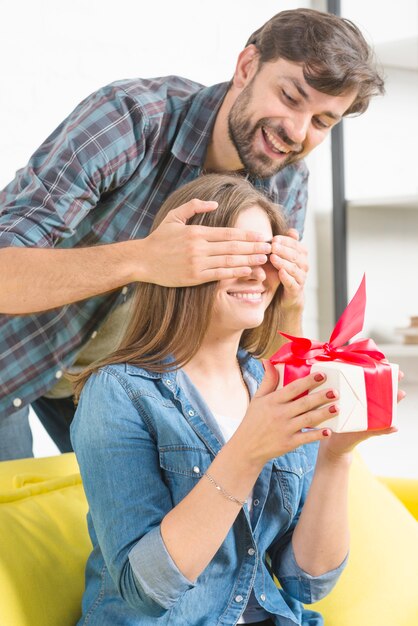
252, 322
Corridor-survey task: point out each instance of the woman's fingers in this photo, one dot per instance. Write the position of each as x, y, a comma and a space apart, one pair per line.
299, 387
314, 418
307, 410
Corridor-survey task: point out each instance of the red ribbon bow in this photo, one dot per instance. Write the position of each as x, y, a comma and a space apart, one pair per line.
300, 353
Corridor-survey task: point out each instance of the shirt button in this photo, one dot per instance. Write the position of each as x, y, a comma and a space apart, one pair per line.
58, 374
17, 402
300, 471
196, 469
256, 502
251, 551
94, 334
239, 598
124, 291
168, 382
191, 413
263, 597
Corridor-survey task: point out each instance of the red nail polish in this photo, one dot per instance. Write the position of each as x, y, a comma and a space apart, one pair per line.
318, 377
332, 408
330, 395
326, 433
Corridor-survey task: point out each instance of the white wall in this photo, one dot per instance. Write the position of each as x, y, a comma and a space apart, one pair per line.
53, 54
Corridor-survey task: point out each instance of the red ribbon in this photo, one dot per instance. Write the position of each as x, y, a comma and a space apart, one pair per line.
300, 353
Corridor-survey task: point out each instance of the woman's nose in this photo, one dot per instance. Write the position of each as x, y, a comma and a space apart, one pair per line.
257, 273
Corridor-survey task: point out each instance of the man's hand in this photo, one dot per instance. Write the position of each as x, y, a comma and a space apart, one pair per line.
180, 255
290, 258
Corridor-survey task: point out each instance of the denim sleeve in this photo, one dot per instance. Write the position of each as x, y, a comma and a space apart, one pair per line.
301, 585
94, 151
294, 580
119, 465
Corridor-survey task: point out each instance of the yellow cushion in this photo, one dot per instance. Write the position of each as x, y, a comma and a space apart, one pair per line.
379, 585
50, 466
44, 542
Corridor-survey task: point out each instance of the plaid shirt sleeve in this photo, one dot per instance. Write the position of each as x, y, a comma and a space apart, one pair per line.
297, 216
94, 151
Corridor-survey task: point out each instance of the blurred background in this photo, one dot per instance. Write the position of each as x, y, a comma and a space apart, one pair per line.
53, 54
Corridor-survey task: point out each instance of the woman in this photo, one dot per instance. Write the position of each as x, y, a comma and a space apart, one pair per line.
196, 469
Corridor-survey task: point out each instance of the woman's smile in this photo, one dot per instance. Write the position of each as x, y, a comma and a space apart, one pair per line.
249, 297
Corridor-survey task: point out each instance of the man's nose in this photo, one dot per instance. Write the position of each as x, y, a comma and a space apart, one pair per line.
297, 128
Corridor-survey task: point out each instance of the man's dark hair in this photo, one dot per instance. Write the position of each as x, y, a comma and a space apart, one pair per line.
335, 56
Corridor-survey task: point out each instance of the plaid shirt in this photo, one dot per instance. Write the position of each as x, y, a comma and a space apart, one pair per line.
100, 178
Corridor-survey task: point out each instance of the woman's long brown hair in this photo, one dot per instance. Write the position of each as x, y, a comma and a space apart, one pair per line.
172, 321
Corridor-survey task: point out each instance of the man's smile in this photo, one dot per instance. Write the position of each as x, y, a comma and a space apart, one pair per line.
274, 142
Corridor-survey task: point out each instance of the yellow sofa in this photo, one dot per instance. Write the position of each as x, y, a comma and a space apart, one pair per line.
44, 545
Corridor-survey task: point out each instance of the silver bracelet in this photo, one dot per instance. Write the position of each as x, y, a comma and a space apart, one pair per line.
223, 492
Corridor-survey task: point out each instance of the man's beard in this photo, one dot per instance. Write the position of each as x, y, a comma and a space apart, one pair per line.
241, 133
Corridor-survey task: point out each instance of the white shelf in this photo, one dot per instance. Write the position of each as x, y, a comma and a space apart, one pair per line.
394, 203
399, 350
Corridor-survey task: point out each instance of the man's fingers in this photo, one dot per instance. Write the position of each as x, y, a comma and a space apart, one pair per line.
186, 211
237, 247
235, 260
229, 234
289, 270
291, 250
293, 233
223, 273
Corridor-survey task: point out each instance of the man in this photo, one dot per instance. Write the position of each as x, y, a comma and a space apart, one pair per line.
74, 223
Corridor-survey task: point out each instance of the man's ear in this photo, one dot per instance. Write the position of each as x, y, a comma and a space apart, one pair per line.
247, 66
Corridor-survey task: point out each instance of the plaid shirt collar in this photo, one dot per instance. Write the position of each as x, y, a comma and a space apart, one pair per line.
196, 129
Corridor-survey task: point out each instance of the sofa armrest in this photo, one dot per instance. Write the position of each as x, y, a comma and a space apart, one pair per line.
406, 489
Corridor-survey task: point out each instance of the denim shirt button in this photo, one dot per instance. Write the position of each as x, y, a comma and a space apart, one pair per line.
124, 291
239, 599
256, 502
251, 551
191, 413
168, 382
263, 597
17, 402
300, 471
196, 469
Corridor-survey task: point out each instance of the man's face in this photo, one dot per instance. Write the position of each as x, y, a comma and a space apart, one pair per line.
277, 118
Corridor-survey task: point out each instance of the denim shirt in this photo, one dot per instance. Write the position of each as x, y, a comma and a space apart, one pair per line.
143, 440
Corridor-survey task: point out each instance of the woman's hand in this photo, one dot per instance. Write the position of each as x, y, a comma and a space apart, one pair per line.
276, 418
341, 444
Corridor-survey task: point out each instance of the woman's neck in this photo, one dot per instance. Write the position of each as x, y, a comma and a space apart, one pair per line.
215, 355
215, 372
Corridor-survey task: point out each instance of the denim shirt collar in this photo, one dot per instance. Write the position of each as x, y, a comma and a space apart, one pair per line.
195, 409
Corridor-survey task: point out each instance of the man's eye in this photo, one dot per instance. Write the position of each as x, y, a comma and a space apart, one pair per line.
288, 98
321, 124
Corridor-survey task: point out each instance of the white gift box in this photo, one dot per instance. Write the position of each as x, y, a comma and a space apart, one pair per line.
349, 381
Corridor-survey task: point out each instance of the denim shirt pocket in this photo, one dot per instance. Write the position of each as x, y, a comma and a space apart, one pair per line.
182, 467
289, 471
